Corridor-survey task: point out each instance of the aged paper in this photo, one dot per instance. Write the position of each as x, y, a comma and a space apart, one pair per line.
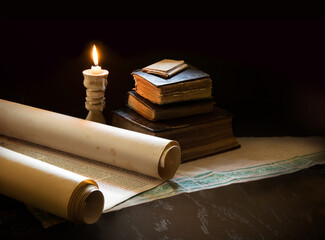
71, 158
258, 158
50, 188
149, 155
166, 68
116, 184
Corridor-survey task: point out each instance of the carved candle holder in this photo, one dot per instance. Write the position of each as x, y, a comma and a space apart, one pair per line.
95, 101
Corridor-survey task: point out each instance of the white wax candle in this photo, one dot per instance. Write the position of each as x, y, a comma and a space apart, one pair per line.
96, 69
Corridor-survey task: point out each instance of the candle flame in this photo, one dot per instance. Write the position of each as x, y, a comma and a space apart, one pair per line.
95, 56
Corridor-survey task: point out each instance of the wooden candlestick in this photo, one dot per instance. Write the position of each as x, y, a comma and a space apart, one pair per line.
95, 101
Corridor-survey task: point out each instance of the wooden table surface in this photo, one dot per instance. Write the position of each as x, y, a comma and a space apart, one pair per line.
286, 207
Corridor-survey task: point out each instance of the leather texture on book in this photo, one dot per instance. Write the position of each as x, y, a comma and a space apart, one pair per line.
155, 112
188, 74
198, 136
166, 68
166, 125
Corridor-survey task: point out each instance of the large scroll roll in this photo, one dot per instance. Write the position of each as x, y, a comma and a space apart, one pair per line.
50, 188
153, 156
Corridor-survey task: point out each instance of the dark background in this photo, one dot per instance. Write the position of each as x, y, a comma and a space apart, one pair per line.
268, 72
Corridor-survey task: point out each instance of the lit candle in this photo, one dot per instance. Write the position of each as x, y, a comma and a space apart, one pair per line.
95, 80
95, 69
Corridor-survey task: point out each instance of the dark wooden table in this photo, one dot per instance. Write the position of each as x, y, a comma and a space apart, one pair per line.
285, 207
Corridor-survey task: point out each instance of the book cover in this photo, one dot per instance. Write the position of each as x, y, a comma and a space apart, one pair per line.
155, 112
199, 136
188, 74
188, 85
166, 68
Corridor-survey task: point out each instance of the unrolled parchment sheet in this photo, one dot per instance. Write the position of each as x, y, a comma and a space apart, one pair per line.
258, 158
50, 188
149, 155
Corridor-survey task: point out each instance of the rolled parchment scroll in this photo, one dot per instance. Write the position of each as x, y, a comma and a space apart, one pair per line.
62, 192
50, 188
149, 155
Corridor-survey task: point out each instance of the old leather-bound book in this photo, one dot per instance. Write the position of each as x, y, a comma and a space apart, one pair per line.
166, 67
198, 136
189, 84
154, 112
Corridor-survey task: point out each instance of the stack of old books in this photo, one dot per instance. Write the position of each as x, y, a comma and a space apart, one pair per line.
173, 100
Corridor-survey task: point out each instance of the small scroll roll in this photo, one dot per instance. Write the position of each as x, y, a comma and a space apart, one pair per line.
50, 188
